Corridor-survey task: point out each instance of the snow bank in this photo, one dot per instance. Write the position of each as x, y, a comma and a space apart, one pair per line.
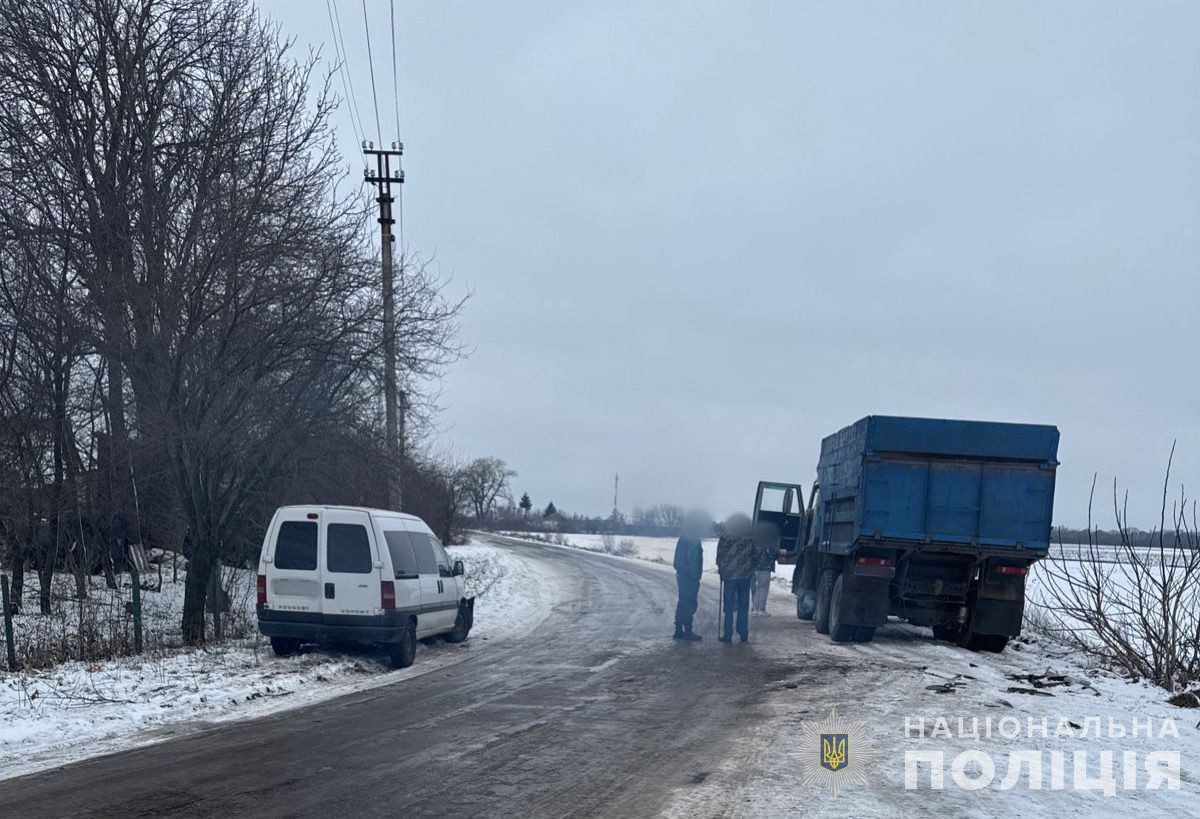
906, 678
52, 716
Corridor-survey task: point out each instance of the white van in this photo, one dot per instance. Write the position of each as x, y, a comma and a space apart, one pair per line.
367, 575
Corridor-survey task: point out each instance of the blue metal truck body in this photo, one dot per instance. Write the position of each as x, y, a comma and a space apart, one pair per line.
934, 481
929, 520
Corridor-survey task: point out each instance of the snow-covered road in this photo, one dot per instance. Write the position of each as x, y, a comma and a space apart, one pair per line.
598, 712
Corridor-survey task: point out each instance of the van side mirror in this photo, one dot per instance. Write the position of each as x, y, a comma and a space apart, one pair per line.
458, 568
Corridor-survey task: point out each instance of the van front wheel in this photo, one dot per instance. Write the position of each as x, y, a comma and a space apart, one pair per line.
462, 627
404, 652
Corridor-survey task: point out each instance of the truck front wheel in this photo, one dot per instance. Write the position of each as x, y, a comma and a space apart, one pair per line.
824, 595
806, 604
841, 632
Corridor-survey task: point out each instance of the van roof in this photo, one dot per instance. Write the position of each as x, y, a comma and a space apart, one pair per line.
369, 509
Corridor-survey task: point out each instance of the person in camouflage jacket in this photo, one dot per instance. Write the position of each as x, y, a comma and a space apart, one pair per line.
736, 553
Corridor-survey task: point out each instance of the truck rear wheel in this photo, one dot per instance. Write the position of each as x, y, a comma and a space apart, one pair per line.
841, 632
994, 643
824, 593
949, 633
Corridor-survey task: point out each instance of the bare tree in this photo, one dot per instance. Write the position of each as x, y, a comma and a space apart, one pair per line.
192, 303
485, 481
1135, 608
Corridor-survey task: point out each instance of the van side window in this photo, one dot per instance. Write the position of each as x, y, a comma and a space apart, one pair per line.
404, 560
423, 548
296, 546
347, 549
443, 561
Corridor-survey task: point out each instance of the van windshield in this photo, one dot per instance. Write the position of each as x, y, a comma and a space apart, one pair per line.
404, 562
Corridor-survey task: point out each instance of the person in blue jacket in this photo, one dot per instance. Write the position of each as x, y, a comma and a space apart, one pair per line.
689, 563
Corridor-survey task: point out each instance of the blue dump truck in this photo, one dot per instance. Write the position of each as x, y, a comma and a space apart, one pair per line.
932, 521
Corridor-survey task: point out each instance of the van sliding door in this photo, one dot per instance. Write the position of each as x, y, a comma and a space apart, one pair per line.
435, 613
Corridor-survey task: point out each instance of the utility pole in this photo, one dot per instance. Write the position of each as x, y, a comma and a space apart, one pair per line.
383, 179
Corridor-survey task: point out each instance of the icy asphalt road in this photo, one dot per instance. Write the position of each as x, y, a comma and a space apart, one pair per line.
595, 713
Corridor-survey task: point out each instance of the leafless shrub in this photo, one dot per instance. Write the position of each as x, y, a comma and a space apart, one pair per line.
626, 547
1135, 609
99, 626
608, 543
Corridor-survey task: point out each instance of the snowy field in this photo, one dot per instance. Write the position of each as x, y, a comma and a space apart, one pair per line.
75, 710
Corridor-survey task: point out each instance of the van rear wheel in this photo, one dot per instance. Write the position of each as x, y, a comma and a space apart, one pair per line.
404, 652
284, 646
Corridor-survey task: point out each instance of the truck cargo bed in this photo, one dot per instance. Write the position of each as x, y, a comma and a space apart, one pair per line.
929, 481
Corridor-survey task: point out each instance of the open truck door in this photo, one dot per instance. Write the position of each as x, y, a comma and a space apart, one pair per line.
782, 505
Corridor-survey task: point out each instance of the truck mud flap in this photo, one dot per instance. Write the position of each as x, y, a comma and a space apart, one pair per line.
999, 605
990, 616
864, 600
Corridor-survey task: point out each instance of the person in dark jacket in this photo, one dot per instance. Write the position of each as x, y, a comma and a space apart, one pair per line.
689, 563
735, 562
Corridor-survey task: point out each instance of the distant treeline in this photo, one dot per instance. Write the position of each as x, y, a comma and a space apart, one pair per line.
1138, 538
654, 522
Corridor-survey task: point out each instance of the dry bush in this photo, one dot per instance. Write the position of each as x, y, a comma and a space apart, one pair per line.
626, 547
100, 625
1135, 609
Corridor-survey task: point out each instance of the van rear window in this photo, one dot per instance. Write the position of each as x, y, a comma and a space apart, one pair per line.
404, 562
296, 546
347, 549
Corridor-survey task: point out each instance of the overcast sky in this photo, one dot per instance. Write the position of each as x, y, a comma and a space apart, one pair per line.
704, 235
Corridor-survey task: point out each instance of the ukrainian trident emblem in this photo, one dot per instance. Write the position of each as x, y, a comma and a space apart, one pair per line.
835, 751
825, 752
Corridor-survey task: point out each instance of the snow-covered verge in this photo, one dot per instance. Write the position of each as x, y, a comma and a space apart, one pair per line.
80, 709
909, 692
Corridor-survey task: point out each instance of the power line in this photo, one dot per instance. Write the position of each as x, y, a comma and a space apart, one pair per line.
339, 50
395, 74
395, 100
371, 62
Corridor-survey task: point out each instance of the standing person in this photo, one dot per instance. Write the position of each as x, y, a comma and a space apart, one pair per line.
689, 563
766, 550
735, 562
